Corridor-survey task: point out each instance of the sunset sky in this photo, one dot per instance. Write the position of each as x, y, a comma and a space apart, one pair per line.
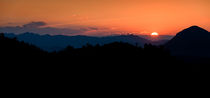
134, 16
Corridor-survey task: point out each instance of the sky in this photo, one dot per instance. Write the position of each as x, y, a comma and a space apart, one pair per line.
104, 17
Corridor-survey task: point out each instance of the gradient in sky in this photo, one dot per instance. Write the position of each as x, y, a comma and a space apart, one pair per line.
138, 16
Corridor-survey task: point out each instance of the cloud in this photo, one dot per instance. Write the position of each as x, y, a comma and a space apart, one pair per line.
40, 27
93, 28
34, 24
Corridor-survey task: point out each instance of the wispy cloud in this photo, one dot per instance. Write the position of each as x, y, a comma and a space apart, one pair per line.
41, 27
34, 24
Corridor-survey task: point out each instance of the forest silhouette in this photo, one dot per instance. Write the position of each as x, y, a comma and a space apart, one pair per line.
117, 57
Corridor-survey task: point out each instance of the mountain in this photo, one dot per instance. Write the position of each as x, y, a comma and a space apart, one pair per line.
193, 41
12, 48
59, 42
113, 58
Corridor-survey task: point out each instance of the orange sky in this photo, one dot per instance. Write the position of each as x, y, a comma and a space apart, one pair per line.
139, 16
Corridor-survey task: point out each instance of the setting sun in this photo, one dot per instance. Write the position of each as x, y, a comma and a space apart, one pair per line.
154, 34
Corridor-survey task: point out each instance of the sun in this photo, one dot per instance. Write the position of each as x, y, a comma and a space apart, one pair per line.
154, 34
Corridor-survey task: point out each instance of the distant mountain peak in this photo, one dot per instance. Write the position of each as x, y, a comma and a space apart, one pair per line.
195, 27
193, 41
194, 30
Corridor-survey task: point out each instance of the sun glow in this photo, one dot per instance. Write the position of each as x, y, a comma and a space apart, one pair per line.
154, 34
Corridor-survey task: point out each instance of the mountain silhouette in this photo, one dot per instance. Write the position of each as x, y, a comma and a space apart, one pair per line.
193, 41
59, 42
14, 49
116, 57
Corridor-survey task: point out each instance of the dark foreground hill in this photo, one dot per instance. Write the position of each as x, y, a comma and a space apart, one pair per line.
191, 45
13, 49
193, 41
114, 58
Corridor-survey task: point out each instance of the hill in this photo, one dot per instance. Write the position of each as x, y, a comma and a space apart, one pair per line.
110, 58
193, 41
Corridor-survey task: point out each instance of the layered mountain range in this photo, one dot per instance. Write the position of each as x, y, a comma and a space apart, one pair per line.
58, 42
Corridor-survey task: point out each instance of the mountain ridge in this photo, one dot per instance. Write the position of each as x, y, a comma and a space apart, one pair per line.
193, 41
59, 42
